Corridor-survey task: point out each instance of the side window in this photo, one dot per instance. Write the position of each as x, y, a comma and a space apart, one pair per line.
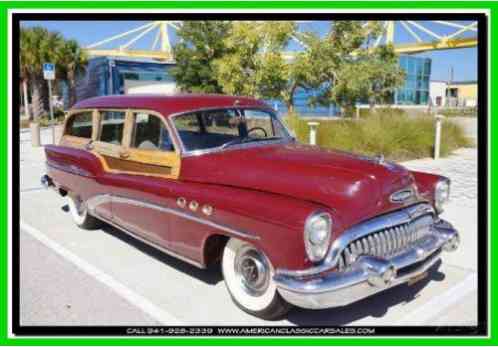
150, 132
80, 125
112, 126
222, 122
188, 123
263, 124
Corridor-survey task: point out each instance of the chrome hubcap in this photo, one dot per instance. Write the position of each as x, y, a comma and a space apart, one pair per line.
251, 268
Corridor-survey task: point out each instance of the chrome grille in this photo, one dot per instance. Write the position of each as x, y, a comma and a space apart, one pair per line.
386, 243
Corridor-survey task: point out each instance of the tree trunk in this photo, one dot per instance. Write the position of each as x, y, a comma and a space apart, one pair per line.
290, 107
39, 97
71, 85
289, 102
26, 100
348, 110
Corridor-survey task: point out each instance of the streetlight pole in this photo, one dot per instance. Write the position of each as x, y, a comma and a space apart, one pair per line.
51, 109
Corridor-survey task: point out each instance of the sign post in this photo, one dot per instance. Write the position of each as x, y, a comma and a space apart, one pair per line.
49, 75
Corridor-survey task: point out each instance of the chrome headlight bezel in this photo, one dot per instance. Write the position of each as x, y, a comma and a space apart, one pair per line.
317, 240
441, 194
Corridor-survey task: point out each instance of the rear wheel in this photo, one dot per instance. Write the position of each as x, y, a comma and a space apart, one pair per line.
79, 213
248, 275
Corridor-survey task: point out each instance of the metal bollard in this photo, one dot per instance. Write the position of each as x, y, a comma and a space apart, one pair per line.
58, 130
313, 128
35, 134
437, 136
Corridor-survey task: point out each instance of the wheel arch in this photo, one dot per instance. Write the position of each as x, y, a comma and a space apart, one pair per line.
212, 249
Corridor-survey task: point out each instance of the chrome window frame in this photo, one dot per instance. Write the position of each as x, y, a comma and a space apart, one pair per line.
186, 153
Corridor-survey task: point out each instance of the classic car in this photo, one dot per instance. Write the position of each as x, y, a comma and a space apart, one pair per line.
220, 181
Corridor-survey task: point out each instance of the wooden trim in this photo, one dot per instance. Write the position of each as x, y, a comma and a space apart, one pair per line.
99, 125
163, 120
128, 129
95, 125
74, 141
108, 149
169, 159
122, 159
120, 166
70, 138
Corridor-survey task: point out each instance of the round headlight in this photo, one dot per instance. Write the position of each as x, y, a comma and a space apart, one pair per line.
441, 194
317, 234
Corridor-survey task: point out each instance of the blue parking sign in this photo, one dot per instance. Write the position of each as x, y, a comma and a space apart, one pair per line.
49, 71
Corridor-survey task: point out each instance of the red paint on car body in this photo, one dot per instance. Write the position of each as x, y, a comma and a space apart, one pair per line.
265, 191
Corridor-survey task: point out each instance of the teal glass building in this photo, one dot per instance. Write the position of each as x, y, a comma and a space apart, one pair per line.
415, 90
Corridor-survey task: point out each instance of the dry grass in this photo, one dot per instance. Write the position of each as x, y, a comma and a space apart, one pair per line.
391, 133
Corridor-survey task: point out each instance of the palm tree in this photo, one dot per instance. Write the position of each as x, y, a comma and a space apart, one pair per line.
72, 60
38, 46
26, 65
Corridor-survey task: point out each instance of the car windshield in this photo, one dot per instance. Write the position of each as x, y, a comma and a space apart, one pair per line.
227, 127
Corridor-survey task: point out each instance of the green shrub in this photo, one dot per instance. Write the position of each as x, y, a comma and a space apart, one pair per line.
393, 134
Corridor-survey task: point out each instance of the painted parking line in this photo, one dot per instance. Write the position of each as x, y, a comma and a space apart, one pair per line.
425, 314
126, 293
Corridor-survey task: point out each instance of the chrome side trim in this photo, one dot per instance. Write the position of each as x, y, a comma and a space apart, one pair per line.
155, 245
75, 170
93, 202
358, 231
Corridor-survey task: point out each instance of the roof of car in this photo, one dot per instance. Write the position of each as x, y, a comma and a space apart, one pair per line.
168, 104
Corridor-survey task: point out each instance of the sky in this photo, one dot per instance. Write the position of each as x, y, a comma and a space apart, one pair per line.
463, 61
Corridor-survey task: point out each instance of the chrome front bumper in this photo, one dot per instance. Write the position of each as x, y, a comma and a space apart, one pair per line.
369, 274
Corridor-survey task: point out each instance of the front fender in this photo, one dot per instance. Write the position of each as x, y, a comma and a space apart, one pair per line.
274, 223
426, 184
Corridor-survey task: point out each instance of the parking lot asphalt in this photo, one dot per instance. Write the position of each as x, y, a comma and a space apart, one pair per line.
71, 276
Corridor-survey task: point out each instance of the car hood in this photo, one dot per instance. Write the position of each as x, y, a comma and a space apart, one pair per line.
357, 187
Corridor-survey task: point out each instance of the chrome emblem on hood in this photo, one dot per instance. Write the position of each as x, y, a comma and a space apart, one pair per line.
402, 195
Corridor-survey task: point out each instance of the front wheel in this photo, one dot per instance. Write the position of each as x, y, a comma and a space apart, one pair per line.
248, 276
79, 212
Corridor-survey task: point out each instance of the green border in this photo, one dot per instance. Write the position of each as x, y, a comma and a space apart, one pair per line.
242, 5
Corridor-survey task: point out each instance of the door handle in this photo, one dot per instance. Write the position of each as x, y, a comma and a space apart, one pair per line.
124, 154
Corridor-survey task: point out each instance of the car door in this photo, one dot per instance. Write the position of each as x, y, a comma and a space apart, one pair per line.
143, 167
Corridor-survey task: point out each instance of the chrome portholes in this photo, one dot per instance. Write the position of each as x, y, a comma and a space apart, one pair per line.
181, 202
193, 205
207, 210
97, 200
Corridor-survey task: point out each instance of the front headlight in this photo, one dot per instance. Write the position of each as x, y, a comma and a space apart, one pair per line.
441, 194
317, 234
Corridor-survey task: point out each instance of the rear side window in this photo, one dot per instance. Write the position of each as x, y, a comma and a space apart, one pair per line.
80, 125
149, 132
112, 126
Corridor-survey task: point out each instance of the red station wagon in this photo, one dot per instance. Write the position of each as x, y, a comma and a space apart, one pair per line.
219, 179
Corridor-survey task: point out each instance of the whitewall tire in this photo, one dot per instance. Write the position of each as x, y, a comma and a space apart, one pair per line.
79, 213
248, 275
